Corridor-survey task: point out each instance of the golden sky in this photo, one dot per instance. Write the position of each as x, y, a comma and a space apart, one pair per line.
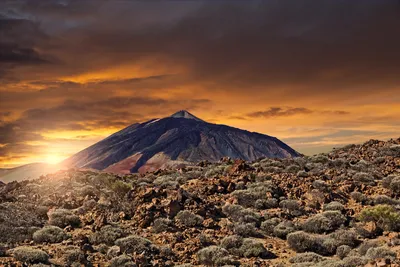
315, 74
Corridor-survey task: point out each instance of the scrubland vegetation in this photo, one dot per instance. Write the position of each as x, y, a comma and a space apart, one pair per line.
337, 209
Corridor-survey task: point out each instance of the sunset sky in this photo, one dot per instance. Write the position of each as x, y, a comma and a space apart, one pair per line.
315, 74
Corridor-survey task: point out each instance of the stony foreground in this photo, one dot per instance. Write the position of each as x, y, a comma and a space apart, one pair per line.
338, 209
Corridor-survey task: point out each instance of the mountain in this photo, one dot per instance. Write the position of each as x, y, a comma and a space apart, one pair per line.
179, 139
28, 171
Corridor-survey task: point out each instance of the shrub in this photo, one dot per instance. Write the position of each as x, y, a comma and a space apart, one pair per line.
245, 198
293, 168
252, 248
213, 256
49, 234
30, 255
342, 251
334, 205
120, 188
239, 214
352, 261
292, 206
161, 225
74, 256
358, 197
188, 218
88, 190
395, 184
303, 242
63, 218
345, 237
268, 226
363, 178
270, 203
232, 243
246, 229
385, 217
133, 243
317, 224
320, 159
380, 253
336, 218
382, 199
366, 245
321, 186
283, 229
107, 235
387, 181
122, 261
306, 257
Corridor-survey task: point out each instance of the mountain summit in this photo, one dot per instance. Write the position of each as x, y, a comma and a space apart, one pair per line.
179, 139
185, 114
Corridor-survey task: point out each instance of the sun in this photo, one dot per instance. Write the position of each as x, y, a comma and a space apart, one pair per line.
53, 159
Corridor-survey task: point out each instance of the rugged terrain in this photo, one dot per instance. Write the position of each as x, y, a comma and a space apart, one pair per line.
337, 209
178, 140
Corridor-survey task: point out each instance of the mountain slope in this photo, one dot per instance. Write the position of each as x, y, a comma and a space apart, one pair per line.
28, 171
180, 138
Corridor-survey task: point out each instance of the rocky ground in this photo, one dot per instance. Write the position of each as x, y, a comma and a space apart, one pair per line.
338, 209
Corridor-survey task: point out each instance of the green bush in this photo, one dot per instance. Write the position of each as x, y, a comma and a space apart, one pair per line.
74, 255
161, 225
252, 248
30, 255
345, 237
380, 253
246, 229
306, 257
133, 243
120, 188
385, 217
63, 218
321, 186
107, 235
336, 217
317, 224
283, 229
342, 251
241, 215
213, 256
358, 197
303, 242
232, 243
189, 219
122, 261
363, 178
334, 205
50, 234
366, 245
268, 226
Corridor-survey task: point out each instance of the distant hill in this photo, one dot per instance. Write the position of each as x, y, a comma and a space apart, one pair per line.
179, 139
28, 171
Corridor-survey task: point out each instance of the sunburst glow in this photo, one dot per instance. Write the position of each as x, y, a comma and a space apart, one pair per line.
53, 159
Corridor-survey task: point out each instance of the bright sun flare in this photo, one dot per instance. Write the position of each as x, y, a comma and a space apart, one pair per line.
53, 159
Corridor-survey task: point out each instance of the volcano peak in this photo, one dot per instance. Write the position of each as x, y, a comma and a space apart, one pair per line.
185, 115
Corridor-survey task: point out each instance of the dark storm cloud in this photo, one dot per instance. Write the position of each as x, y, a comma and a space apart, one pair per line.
17, 40
329, 44
283, 53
